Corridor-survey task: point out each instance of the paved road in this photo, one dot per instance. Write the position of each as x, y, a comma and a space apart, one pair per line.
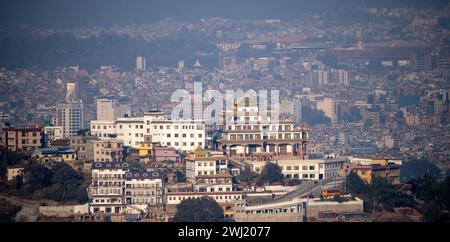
306, 188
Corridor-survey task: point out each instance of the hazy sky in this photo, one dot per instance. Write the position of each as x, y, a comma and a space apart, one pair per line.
77, 13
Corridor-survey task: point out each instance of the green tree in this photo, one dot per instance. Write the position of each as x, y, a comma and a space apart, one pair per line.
36, 177
431, 211
383, 193
270, 173
418, 168
444, 193
66, 182
180, 176
204, 209
247, 175
356, 185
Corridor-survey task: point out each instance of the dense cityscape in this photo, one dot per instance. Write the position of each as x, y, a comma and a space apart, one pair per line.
359, 132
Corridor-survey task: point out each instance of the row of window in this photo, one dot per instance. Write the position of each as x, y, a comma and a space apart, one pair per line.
176, 127
216, 197
212, 189
257, 127
303, 176
206, 173
145, 200
297, 168
142, 193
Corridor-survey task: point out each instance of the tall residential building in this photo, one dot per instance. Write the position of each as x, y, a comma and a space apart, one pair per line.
71, 94
298, 110
321, 77
141, 63
106, 109
109, 110
106, 191
341, 77
118, 189
70, 117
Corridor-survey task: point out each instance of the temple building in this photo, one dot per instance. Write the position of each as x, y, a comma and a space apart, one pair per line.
255, 135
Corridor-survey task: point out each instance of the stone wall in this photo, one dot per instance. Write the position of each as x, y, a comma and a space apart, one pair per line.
314, 207
63, 211
272, 217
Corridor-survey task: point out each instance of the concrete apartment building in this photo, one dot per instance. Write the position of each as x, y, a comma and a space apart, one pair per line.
70, 116
390, 171
208, 172
144, 187
109, 110
383, 167
106, 191
53, 133
107, 150
83, 146
311, 169
118, 189
23, 138
154, 126
205, 163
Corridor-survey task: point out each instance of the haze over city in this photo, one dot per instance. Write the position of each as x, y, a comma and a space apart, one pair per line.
224, 111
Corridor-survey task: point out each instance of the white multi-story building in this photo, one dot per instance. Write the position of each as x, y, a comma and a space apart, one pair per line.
109, 110
117, 189
322, 77
130, 130
315, 169
141, 63
107, 188
53, 133
154, 126
205, 163
174, 198
144, 187
70, 116
103, 129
